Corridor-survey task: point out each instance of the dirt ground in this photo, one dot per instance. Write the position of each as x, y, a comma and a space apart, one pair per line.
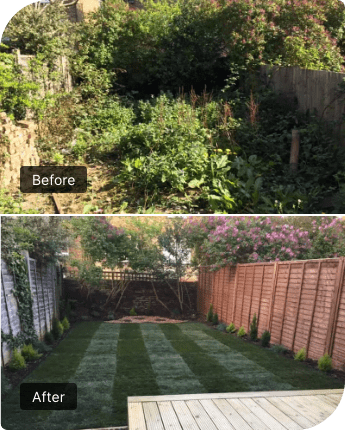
100, 192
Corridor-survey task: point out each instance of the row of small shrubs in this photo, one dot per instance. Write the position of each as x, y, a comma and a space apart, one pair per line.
324, 363
35, 349
57, 330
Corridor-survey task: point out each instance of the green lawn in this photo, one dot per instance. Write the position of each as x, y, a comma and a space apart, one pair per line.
109, 362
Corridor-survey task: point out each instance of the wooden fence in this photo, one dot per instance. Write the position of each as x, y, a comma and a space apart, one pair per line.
302, 303
315, 90
109, 275
45, 286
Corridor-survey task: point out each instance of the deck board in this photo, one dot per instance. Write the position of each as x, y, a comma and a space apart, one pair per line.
266, 410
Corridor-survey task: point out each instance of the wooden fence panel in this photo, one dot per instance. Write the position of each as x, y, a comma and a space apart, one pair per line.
302, 303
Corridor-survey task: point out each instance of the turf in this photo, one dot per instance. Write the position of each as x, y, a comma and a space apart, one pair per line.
110, 362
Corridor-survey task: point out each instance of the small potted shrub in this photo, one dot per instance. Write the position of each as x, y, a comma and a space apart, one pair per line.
231, 328
132, 313
17, 362
254, 329
241, 332
301, 355
29, 353
324, 363
215, 320
209, 315
265, 338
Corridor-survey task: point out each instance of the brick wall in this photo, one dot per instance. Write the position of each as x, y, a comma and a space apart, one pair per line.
17, 148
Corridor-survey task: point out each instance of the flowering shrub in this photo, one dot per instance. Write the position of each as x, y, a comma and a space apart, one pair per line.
220, 241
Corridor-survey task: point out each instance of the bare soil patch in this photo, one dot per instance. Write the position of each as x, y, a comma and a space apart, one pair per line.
148, 319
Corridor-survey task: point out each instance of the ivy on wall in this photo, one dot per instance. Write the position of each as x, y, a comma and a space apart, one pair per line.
22, 292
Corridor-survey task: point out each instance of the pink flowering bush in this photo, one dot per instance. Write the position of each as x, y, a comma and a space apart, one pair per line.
220, 241
328, 237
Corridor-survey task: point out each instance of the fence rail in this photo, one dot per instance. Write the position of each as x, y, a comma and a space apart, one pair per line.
302, 303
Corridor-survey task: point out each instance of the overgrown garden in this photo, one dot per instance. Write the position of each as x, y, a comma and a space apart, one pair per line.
166, 98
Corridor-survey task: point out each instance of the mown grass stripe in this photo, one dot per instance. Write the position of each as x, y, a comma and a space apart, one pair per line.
60, 366
299, 376
212, 375
259, 378
134, 373
94, 378
173, 376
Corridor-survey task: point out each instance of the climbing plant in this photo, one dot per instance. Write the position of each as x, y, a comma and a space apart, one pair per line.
21, 290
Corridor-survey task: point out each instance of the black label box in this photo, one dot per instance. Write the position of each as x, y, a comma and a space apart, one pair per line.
48, 396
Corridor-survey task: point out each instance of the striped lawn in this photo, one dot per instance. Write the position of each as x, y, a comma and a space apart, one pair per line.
110, 362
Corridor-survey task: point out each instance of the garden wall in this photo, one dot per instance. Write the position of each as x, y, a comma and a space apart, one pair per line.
302, 303
45, 285
314, 90
138, 294
17, 148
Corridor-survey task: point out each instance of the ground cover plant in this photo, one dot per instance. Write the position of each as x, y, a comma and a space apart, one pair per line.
112, 361
167, 103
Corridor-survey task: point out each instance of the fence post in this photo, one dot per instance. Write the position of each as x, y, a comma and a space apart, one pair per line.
274, 287
38, 303
284, 310
298, 306
260, 297
313, 309
235, 293
294, 150
335, 307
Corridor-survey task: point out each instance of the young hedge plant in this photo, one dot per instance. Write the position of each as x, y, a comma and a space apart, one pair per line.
215, 319
325, 363
265, 338
241, 332
29, 353
231, 328
17, 362
209, 315
254, 328
301, 355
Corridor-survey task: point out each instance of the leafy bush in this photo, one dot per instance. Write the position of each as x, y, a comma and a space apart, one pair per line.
221, 327
49, 338
215, 319
231, 328
132, 313
301, 355
17, 362
57, 329
29, 353
65, 323
241, 332
254, 328
41, 347
209, 315
17, 93
265, 338
324, 363
279, 349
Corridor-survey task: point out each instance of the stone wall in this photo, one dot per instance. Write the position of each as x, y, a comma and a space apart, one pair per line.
17, 148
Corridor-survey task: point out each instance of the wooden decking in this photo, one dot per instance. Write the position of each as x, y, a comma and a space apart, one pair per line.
267, 410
